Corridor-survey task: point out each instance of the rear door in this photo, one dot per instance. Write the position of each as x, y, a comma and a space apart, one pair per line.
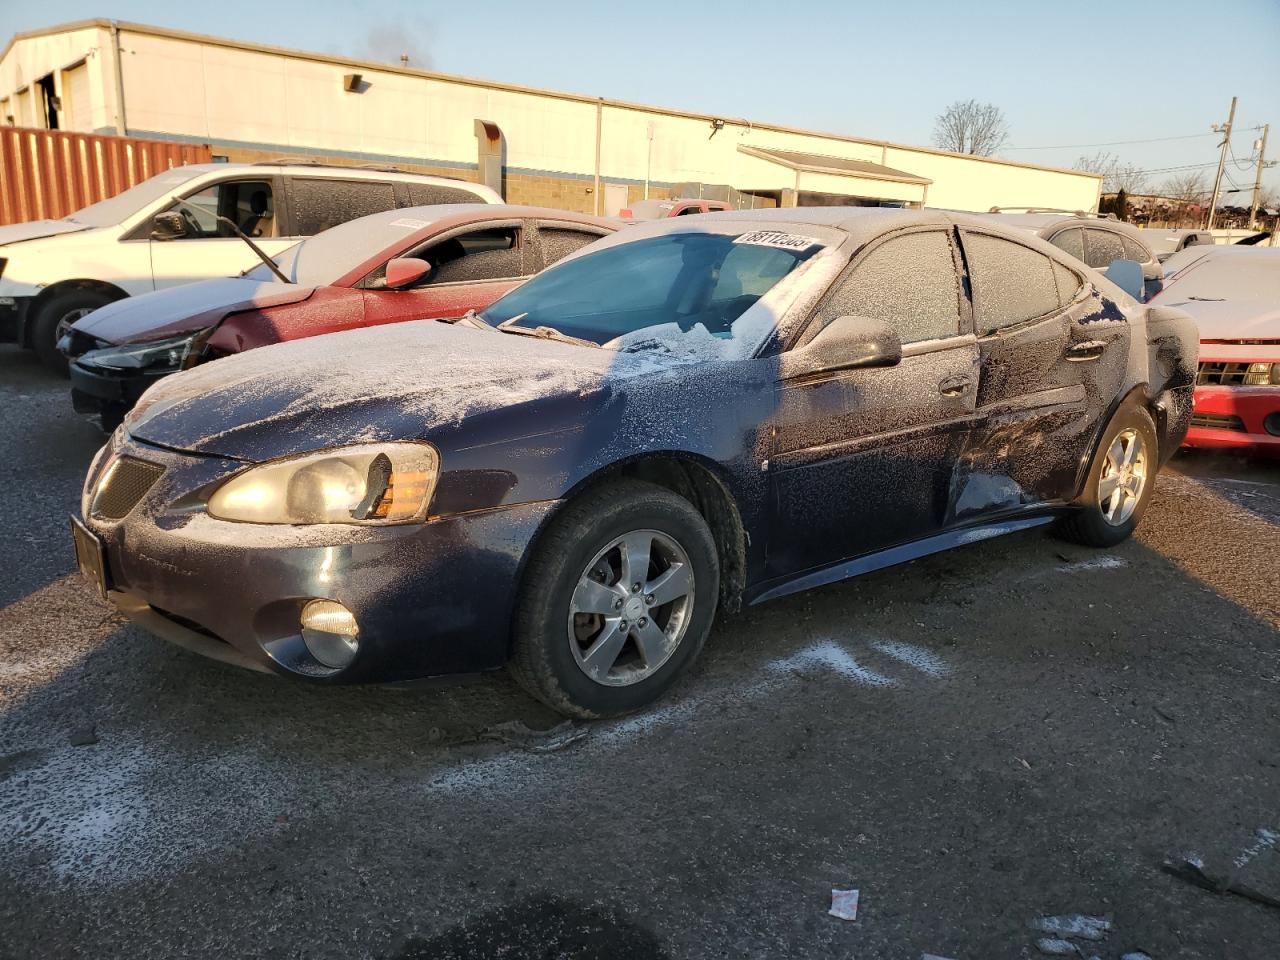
1049, 348
471, 267
862, 460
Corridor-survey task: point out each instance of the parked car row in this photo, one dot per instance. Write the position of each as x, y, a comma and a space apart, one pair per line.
688, 415
52, 272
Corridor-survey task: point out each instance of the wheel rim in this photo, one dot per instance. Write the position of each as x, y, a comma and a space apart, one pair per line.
1124, 477
631, 608
68, 318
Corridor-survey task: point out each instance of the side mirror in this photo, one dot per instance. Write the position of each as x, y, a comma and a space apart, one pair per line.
402, 271
168, 226
1127, 275
846, 343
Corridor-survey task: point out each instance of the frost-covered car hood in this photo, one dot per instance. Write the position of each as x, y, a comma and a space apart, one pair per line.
406, 381
180, 309
36, 230
1232, 319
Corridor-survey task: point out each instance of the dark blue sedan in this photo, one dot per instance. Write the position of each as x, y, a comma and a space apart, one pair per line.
693, 415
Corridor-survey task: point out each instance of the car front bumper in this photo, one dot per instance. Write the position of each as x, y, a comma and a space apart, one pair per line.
95, 390
1237, 418
431, 599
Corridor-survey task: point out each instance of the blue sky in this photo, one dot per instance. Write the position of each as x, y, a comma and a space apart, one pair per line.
1067, 73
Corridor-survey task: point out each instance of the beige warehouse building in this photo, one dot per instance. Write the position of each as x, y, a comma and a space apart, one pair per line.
256, 102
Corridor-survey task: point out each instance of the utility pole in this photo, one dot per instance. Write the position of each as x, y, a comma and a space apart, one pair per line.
1222, 160
1257, 183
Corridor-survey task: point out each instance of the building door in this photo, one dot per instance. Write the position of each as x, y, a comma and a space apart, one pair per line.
615, 198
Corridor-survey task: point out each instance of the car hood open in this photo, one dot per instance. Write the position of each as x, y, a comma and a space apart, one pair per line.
181, 309
412, 380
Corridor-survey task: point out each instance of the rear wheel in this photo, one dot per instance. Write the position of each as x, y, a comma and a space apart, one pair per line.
54, 320
617, 601
1121, 479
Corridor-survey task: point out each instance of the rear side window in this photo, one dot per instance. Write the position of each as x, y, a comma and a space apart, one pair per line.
1013, 283
559, 242
425, 194
1104, 249
687, 211
908, 282
1133, 251
319, 204
1068, 283
1070, 241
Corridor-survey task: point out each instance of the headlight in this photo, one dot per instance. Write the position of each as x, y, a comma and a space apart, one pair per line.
1261, 374
367, 484
155, 355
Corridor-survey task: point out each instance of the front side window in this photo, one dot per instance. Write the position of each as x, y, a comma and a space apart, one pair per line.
490, 254
1012, 283
676, 286
320, 203
1104, 248
908, 282
246, 203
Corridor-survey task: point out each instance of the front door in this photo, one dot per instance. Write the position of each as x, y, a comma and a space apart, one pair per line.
470, 269
210, 248
862, 461
1052, 354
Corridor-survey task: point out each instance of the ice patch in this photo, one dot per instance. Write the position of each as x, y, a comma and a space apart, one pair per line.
834, 657
923, 660
1265, 839
1104, 562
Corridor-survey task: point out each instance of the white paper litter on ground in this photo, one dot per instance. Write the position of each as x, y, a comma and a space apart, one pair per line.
844, 904
1077, 926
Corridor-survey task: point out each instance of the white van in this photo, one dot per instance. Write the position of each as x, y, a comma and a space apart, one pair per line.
52, 272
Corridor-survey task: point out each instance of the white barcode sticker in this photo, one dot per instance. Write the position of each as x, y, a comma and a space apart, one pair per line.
776, 238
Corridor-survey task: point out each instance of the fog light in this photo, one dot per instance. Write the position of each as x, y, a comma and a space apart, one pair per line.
1272, 424
330, 632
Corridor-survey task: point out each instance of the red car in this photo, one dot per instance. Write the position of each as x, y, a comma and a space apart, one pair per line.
413, 263
679, 207
1233, 292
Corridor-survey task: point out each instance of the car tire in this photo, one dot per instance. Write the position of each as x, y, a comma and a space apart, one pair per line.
1115, 493
566, 649
62, 310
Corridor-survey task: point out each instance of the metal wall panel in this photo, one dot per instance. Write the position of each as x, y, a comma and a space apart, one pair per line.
47, 174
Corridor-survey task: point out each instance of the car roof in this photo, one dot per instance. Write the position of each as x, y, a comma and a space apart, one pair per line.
328, 171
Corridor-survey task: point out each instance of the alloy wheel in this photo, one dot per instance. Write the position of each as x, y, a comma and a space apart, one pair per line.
630, 608
68, 319
1124, 477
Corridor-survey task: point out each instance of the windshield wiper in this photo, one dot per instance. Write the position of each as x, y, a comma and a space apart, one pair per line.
468, 319
271, 264
542, 332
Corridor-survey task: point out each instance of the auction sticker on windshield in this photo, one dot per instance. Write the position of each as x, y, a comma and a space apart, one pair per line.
776, 238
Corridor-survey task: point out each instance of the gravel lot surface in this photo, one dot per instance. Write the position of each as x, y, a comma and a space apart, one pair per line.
1015, 729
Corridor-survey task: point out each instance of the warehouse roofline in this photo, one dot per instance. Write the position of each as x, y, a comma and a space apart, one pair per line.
509, 87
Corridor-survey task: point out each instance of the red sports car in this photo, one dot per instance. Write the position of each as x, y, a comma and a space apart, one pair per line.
1233, 292
414, 263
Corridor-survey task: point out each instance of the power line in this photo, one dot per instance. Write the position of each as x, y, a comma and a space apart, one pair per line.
1114, 143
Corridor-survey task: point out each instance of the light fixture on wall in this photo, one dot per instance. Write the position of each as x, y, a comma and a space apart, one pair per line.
716, 126
353, 83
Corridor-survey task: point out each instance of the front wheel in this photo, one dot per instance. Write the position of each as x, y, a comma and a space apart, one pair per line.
617, 602
54, 320
1121, 479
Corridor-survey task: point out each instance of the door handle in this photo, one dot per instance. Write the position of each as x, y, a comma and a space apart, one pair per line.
1088, 350
954, 386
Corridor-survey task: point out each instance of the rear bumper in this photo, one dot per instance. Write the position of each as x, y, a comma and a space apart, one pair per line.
1236, 418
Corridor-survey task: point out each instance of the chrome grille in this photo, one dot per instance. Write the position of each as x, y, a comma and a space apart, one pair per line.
1225, 374
123, 484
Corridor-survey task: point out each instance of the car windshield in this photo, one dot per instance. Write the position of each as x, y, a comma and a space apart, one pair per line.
657, 291
328, 256
117, 209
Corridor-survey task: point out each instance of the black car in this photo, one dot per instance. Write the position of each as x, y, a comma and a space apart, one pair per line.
696, 414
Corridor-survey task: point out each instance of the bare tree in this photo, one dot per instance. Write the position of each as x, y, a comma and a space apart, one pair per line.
1189, 186
1116, 176
968, 126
